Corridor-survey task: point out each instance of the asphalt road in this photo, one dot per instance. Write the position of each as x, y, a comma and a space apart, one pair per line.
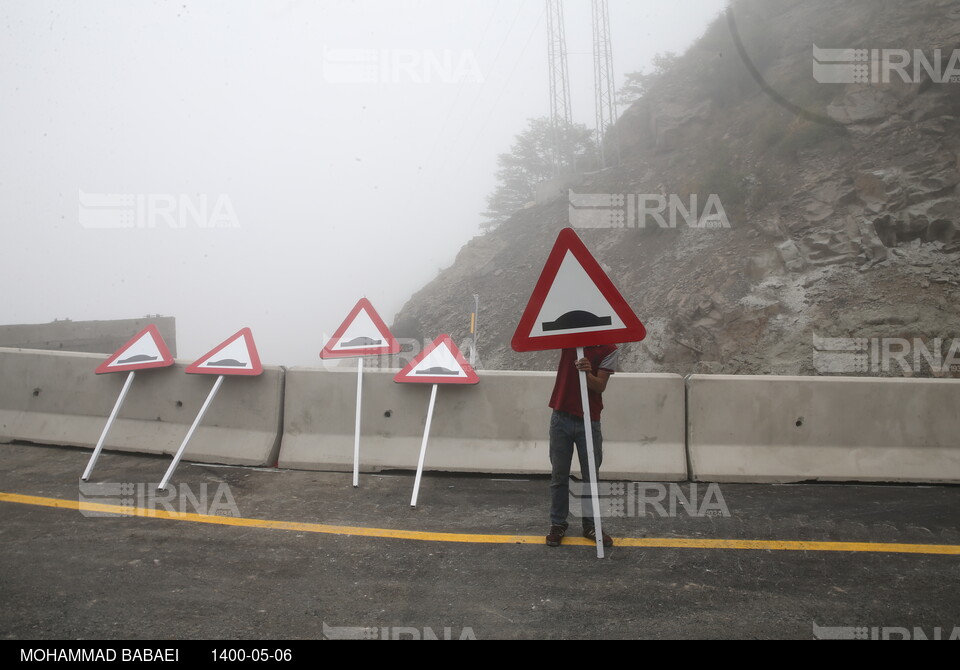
471, 563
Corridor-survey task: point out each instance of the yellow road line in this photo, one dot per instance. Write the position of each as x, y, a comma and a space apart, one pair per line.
663, 543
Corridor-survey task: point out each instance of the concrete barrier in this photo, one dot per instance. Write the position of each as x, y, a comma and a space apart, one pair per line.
94, 337
783, 429
55, 398
500, 425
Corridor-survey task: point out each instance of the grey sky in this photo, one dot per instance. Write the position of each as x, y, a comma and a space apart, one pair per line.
339, 188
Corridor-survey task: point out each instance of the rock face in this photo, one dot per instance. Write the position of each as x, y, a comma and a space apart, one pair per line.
841, 199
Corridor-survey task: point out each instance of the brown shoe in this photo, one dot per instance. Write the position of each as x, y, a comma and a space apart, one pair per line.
554, 537
591, 534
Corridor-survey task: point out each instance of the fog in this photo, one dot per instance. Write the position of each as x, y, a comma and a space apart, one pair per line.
267, 164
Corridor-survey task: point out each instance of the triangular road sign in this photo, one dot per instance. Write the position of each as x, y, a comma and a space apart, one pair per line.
574, 304
362, 333
440, 363
145, 350
237, 355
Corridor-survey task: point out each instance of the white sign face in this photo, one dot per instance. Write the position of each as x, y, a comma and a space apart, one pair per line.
237, 355
574, 304
144, 350
439, 363
362, 333
234, 355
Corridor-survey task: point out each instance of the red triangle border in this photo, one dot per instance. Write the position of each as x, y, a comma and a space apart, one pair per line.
245, 333
166, 359
568, 240
403, 377
392, 346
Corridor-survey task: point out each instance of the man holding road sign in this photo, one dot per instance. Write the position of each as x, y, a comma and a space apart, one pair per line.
575, 307
567, 430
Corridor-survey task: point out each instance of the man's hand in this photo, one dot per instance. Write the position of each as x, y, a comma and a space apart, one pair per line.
595, 382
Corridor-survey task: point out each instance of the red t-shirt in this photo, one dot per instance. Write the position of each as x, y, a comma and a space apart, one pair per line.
566, 390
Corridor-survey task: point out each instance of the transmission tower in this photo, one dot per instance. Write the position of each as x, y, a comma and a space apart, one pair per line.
603, 76
560, 115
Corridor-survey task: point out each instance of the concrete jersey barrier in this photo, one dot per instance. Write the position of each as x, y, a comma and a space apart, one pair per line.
736, 428
783, 429
498, 426
55, 398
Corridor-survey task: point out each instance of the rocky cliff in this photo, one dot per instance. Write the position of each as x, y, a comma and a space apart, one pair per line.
841, 199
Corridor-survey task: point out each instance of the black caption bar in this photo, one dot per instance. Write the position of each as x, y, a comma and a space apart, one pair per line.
158, 652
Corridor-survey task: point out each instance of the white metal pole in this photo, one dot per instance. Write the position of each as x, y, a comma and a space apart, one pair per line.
588, 430
476, 329
423, 447
356, 436
196, 422
106, 429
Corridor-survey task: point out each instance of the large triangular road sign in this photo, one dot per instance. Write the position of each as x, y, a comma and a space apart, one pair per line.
574, 304
145, 350
237, 355
440, 363
362, 333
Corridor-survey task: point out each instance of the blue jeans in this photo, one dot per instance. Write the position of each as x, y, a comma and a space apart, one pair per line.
566, 430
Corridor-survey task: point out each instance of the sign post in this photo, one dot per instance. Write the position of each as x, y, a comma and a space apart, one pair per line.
106, 429
237, 355
440, 363
591, 458
145, 350
183, 445
575, 305
423, 447
356, 427
362, 333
